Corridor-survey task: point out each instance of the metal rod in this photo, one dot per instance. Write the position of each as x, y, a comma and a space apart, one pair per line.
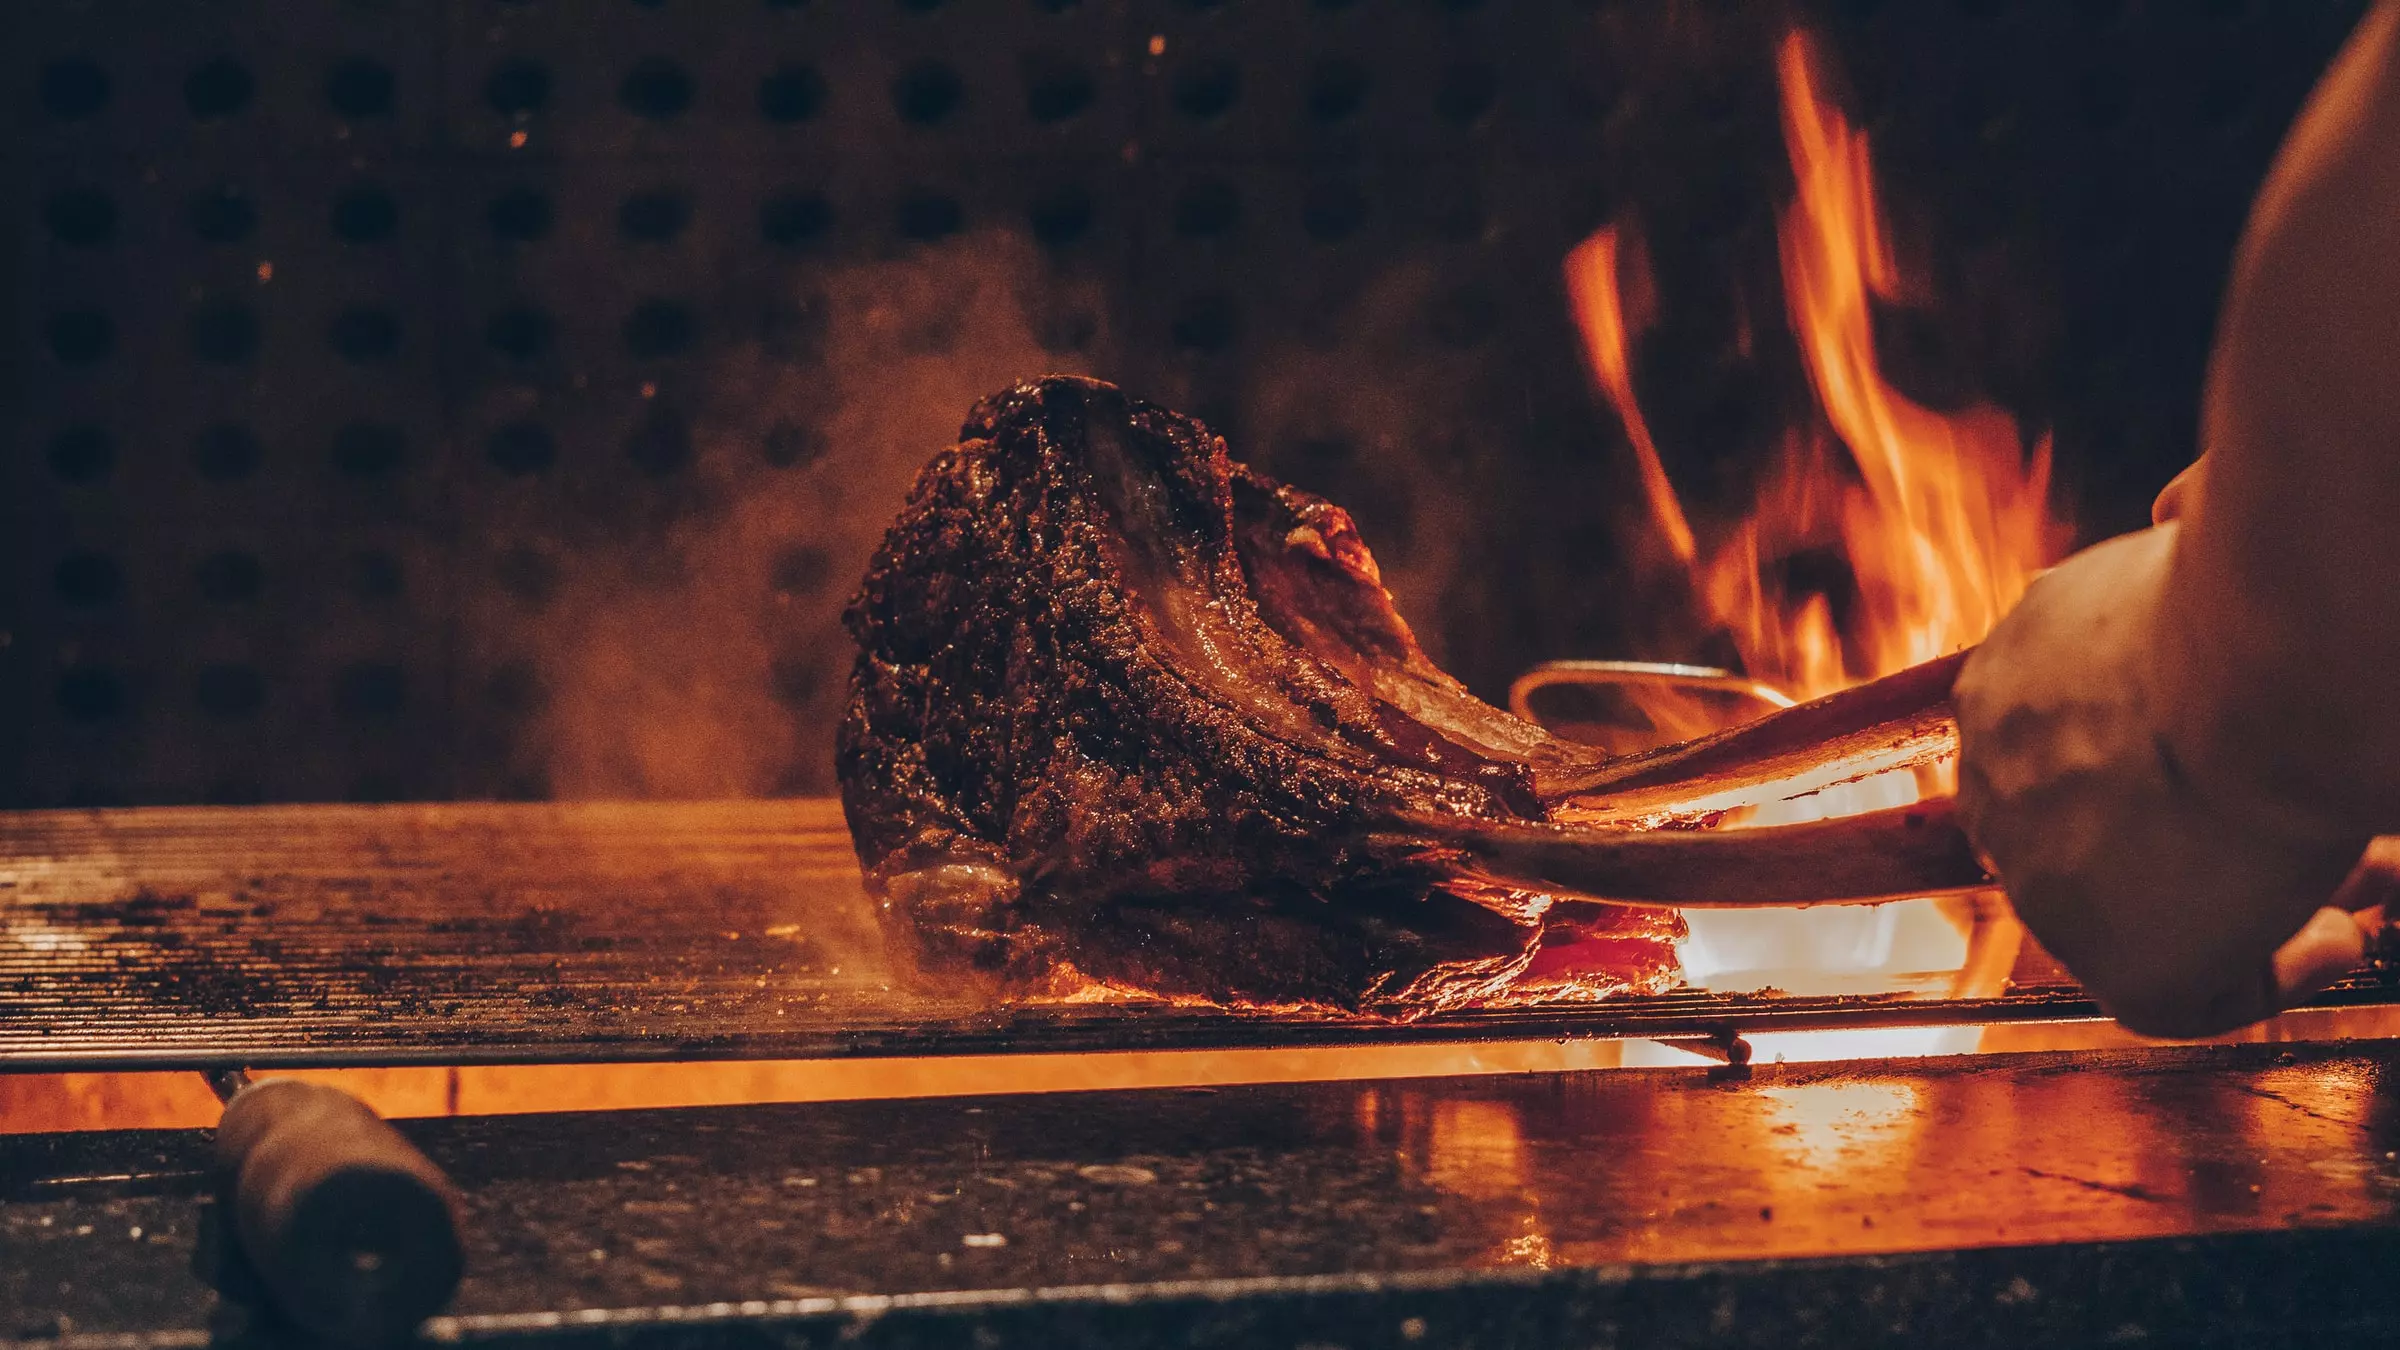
1644, 674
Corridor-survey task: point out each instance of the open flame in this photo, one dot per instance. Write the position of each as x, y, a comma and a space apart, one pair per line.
1941, 518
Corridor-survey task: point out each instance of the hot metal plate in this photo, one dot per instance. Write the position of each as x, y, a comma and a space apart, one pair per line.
2161, 1197
511, 933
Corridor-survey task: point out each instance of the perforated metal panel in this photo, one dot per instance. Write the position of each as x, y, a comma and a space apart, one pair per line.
485, 398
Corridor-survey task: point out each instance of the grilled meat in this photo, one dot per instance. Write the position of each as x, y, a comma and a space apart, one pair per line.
1127, 709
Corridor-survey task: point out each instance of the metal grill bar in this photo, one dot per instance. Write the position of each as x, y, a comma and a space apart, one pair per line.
482, 934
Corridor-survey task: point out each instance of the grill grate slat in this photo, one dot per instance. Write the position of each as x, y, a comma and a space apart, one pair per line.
498, 933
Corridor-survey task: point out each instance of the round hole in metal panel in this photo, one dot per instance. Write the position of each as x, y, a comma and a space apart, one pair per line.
661, 442
73, 88
795, 680
1208, 322
368, 450
520, 215
228, 577
223, 332
82, 217
793, 92
225, 452
1208, 208
80, 337
925, 215
360, 88
2101, 99
365, 215
1464, 316
1208, 88
521, 449
791, 445
795, 218
364, 334
229, 691
1588, 96
656, 88
1332, 211
90, 694
218, 89
515, 689
222, 214
370, 691
1064, 328
88, 580
519, 87
1057, 87
527, 574
2224, 101
925, 93
82, 454
800, 569
1060, 215
375, 576
522, 332
1337, 89
793, 329
655, 329
655, 216
1464, 92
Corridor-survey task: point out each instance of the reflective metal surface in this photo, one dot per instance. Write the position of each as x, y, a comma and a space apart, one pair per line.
1451, 1184
1639, 674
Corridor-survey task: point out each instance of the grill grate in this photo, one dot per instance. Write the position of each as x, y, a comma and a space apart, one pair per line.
376, 935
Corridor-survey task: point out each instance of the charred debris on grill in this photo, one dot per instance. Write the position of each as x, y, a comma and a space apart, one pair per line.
1128, 711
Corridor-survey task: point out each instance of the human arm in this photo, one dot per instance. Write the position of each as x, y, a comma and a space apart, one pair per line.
2180, 742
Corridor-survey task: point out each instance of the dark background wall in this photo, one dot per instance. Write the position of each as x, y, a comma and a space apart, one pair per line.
478, 398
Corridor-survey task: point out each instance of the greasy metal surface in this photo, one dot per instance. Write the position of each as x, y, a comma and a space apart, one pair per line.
1438, 1180
490, 933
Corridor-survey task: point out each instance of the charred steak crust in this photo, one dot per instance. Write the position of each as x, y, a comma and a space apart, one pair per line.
1126, 708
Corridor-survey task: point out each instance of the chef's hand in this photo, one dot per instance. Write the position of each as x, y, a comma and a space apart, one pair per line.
2182, 917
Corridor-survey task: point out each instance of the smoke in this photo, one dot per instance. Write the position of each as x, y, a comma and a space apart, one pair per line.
1381, 423
674, 631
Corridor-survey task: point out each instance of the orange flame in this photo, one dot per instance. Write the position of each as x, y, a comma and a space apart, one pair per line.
1600, 310
1942, 519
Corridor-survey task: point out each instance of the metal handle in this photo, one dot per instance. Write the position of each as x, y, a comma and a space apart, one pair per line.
1644, 674
351, 1230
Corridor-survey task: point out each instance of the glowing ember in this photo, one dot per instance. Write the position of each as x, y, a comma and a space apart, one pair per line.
1941, 518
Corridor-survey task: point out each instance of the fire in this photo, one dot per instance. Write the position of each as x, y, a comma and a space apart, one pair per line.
1940, 517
